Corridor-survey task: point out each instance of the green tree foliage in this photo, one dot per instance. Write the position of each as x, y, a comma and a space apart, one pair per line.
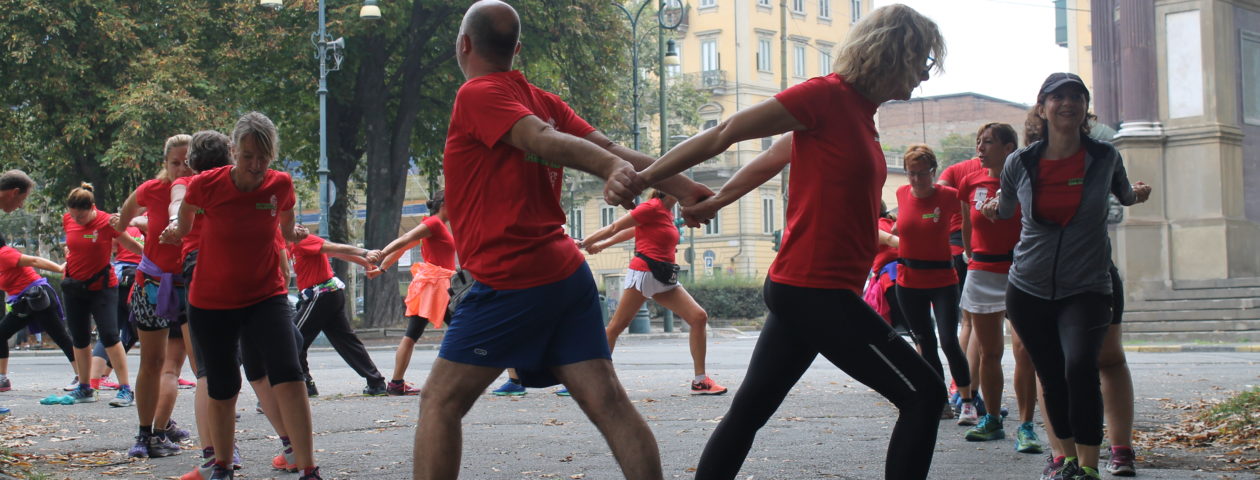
955, 148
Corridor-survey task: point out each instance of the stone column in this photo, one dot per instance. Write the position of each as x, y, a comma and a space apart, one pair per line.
1105, 91
1139, 114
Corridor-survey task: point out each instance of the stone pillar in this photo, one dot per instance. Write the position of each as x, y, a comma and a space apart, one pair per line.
1139, 115
1105, 91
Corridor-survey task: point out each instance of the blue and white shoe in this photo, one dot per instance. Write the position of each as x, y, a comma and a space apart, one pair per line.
509, 389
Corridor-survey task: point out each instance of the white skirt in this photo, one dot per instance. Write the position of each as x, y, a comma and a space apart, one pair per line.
645, 283
984, 292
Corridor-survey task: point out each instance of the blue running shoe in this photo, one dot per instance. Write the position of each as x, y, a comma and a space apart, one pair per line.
509, 389
1026, 440
141, 448
990, 428
563, 392
5, 411
124, 398
82, 395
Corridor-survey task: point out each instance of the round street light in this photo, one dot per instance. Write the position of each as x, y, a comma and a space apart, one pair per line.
272, 4
370, 11
671, 54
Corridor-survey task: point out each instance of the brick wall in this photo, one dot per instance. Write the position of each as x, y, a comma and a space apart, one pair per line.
904, 123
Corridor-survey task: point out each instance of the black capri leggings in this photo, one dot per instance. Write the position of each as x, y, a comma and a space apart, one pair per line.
1064, 338
803, 323
917, 305
260, 333
49, 319
82, 306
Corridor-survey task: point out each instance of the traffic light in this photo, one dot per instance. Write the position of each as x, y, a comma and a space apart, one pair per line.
778, 240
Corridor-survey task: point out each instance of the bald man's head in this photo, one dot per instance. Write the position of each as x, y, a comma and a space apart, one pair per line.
494, 29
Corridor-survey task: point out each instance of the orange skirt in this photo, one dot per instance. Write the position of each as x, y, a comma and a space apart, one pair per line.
427, 295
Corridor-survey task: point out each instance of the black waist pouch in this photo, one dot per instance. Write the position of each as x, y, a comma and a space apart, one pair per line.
664, 272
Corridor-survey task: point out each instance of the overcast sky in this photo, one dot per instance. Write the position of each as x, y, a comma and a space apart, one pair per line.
1000, 48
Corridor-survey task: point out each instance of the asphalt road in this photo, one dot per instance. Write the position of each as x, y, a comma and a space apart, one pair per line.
829, 427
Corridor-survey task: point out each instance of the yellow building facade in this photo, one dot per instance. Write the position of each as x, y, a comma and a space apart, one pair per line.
739, 52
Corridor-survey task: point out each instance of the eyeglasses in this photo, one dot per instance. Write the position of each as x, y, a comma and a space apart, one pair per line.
921, 173
931, 64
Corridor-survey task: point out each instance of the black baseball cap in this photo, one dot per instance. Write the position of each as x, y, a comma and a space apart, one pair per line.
1059, 79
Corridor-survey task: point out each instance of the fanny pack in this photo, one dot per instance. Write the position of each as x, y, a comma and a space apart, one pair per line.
81, 286
926, 264
461, 283
987, 258
34, 298
331, 285
664, 272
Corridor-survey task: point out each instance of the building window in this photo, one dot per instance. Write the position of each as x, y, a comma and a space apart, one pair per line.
824, 9
763, 3
798, 6
607, 215
766, 142
575, 223
708, 55
767, 215
763, 55
1251, 77
856, 7
824, 61
708, 3
709, 124
798, 54
714, 227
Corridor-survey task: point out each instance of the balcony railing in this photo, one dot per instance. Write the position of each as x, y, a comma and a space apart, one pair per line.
708, 79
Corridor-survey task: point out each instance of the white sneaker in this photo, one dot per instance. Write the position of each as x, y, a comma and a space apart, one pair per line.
74, 384
968, 416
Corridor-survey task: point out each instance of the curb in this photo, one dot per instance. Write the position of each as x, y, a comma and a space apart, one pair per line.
1192, 348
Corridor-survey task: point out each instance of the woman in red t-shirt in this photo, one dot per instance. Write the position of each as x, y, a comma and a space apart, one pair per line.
238, 299
157, 302
427, 295
90, 290
33, 301
651, 224
926, 280
838, 171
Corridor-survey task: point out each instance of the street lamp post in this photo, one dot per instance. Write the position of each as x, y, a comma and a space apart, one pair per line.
326, 48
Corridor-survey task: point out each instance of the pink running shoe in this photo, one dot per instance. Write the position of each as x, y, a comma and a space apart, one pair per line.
707, 387
185, 384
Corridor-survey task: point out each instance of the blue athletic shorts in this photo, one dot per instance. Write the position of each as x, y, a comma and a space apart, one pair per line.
529, 329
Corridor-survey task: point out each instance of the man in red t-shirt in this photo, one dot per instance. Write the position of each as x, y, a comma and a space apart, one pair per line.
532, 302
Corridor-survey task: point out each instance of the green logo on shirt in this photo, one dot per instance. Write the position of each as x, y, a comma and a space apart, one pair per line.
90, 236
264, 206
536, 159
930, 216
1076, 182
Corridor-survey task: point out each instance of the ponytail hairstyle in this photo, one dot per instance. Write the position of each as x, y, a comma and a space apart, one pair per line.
175, 141
81, 198
436, 202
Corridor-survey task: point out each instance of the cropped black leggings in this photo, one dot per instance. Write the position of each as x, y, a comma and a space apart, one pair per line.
83, 306
49, 319
259, 334
803, 323
917, 305
1064, 337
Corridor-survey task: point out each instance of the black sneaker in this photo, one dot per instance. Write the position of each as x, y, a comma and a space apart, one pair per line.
375, 390
314, 475
221, 472
311, 391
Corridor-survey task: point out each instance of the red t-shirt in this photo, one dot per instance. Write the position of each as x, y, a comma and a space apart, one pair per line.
155, 195
885, 253
439, 247
988, 236
14, 279
656, 236
88, 248
309, 262
507, 204
124, 255
1058, 189
191, 240
923, 227
955, 174
238, 264
838, 172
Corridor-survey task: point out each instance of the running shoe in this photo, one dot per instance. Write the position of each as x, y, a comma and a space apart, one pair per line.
124, 398
311, 391
563, 392
141, 447
73, 385
955, 404
1026, 440
509, 389
1121, 463
200, 473
83, 395
285, 460
257, 408
707, 387
183, 384
236, 456
375, 390
6, 385
1069, 471
313, 475
5, 411
990, 428
107, 384
400, 387
161, 446
1087, 473
174, 433
969, 415
221, 472
948, 412
1053, 464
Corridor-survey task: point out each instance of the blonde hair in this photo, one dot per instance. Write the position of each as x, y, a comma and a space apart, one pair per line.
81, 198
260, 127
919, 153
175, 141
891, 43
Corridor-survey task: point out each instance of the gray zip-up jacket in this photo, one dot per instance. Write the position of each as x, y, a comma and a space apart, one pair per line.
1053, 261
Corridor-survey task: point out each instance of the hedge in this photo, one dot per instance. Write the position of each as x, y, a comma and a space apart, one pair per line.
729, 297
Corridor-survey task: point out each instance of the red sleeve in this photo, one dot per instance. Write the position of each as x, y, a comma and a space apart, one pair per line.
195, 194
488, 110
9, 258
311, 245
567, 120
141, 192
948, 175
952, 206
288, 199
806, 101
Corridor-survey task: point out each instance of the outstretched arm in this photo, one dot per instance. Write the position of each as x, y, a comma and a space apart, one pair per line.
765, 166
395, 248
130, 209
40, 263
348, 253
616, 232
761, 120
534, 136
129, 243
687, 191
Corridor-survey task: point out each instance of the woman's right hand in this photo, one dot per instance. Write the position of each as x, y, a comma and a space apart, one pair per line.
594, 248
701, 212
170, 235
990, 209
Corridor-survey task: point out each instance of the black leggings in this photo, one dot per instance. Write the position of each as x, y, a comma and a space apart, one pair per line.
803, 323
1064, 338
83, 306
327, 313
415, 327
918, 304
49, 319
262, 332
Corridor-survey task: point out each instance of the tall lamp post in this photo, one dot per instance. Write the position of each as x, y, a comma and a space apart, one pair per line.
667, 58
326, 49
